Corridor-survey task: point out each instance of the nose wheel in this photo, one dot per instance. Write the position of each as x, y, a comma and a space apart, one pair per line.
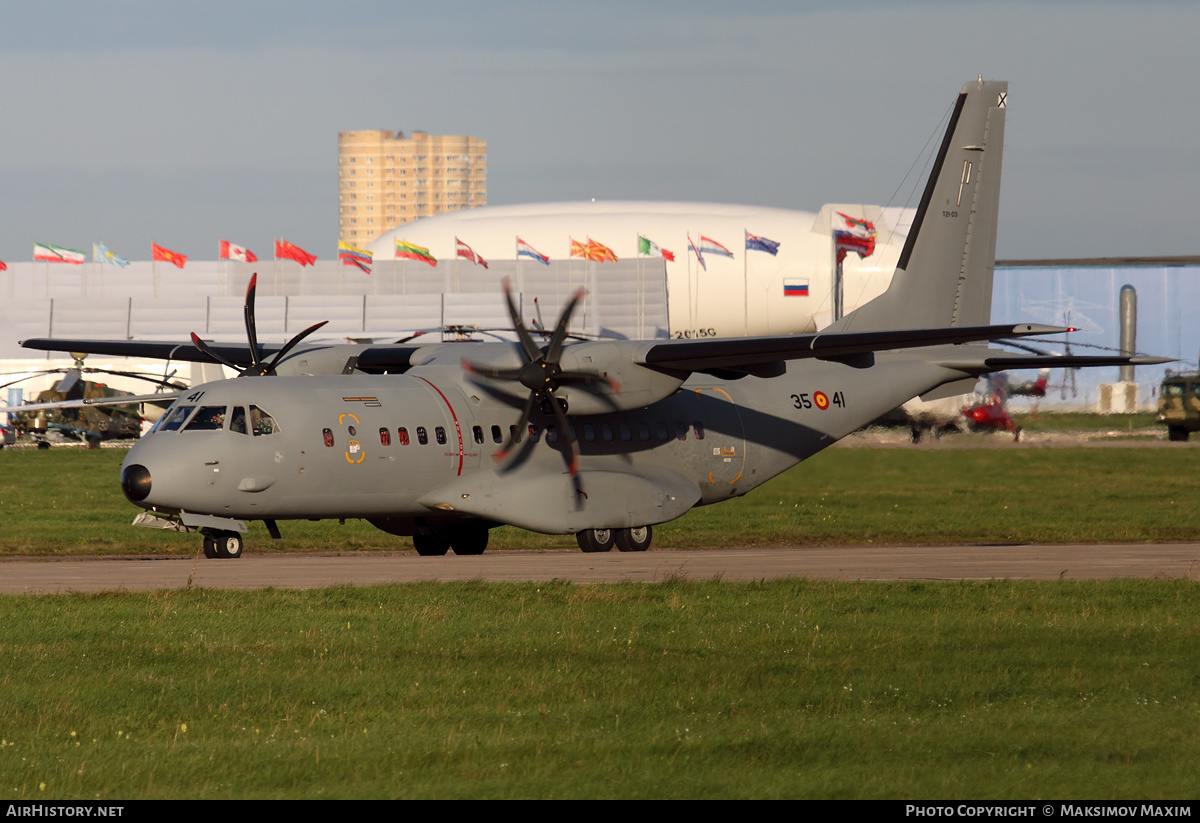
222, 544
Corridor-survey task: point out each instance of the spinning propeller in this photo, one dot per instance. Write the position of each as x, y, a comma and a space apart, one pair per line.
258, 367
542, 374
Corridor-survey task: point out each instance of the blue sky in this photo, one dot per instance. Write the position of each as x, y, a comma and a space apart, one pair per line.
184, 123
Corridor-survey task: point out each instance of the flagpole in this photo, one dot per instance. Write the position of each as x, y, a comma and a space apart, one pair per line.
746, 283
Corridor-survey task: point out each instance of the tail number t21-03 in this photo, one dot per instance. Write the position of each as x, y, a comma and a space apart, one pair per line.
819, 399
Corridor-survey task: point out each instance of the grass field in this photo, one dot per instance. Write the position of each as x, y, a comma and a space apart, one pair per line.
676, 689
785, 689
67, 501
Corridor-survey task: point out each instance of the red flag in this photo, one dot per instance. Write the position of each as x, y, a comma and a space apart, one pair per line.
157, 252
466, 251
285, 249
231, 252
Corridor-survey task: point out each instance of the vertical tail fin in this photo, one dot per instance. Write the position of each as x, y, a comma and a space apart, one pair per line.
944, 274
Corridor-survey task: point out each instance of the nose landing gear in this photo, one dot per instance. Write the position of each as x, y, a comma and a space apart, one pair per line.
223, 544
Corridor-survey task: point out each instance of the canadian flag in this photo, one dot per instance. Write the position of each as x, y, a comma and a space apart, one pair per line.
231, 252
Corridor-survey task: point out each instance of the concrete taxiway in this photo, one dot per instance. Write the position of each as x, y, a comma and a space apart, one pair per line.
305, 571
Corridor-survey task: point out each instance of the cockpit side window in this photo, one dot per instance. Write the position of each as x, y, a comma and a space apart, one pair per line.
209, 418
262, 423
174, 418
237, 422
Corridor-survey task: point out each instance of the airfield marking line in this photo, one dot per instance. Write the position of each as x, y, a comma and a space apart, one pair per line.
875, 563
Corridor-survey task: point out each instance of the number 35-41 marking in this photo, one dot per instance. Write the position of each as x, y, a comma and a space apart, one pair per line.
819, 399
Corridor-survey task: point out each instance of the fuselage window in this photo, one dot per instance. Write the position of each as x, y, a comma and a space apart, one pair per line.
328, 435
589, 432
626, 432
663, 434
402, 435
175, 418
440, 433
422, 436
385, 437
698, 429
477, 431
261, 422
209, 418
237, 421
497, 435
643, 431
680, 431
606, 432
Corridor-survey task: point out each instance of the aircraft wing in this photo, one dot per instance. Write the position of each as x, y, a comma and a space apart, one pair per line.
127, 400
734, 353
150, 349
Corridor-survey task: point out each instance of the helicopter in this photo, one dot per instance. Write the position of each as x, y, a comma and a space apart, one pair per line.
84, 411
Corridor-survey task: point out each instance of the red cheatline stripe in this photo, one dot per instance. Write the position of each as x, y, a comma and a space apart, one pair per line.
457, 427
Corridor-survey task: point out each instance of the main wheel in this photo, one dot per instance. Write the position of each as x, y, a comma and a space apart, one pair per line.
430, 545
469, 540
210, 548
229, 544
596, 540
1177, 434
634, 540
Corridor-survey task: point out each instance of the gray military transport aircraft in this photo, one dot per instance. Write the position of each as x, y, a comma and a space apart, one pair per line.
612, 437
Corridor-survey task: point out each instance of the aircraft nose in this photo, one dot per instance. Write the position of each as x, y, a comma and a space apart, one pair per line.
135, 482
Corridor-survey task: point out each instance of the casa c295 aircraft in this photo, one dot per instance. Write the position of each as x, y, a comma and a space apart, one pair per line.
600, 439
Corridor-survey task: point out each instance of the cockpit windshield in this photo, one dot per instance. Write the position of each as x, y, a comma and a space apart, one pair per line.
241, 419
174, 418
209, 418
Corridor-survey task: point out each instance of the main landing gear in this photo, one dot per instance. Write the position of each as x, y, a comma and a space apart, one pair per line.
626, 540
221, 544
465, 540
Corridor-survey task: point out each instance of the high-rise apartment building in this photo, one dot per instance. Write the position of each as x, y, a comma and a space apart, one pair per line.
386, 180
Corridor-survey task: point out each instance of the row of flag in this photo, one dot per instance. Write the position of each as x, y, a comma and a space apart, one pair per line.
850, 235
49, 253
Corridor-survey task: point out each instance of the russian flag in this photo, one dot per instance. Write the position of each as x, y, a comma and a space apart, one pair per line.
526, 250
795, 287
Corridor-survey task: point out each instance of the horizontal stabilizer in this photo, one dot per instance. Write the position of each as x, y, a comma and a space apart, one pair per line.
1003, 361
728, 353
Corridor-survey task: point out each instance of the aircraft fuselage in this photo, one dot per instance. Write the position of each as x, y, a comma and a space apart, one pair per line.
415, 448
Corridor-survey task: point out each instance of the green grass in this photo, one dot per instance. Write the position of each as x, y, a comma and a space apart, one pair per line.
785, 689
68, 502
1083, 422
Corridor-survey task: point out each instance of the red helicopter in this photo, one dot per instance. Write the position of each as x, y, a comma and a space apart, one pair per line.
990, 413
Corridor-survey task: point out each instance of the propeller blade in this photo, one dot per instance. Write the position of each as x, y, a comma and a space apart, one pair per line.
554, 350
204, 347
291, 344
566, 433
515, 435
532, 352
588, 378
248, 312
485, 370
